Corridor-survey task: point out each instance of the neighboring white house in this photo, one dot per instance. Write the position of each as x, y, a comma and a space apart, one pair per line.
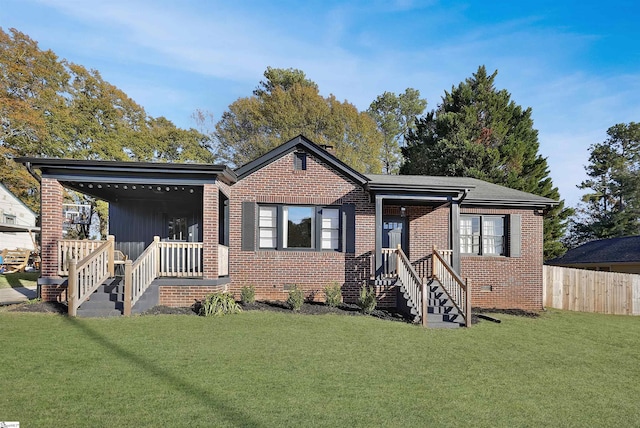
17, 222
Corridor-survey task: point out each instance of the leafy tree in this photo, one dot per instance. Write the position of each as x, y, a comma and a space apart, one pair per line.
612, 206
49, 107
478, 131
395, 115
287, 104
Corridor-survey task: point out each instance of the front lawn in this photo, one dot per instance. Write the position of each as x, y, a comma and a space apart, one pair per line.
19, 279
279, 369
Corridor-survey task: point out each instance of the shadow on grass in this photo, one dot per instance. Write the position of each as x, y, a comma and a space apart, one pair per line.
21, 279
234, 416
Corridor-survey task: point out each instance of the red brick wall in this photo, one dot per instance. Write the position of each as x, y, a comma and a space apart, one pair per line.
185, 296
53, 293
210, 231
516, 282
51, 225
269, 270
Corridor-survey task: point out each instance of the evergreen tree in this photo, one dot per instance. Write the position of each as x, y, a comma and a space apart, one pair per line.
478, 131
612, 207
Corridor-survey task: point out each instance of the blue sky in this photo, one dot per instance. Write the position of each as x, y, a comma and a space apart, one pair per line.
575, 63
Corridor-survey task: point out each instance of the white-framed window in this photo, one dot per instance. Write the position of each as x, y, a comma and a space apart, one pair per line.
9, 219
268, 227
482, 235
330, 235
299, 227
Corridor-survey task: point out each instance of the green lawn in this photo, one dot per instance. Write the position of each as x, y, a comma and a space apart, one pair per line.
269, 369
18, 279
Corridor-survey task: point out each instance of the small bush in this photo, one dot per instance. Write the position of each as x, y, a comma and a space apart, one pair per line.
333, 294
296, 298
219, 304
248, 295
367, 301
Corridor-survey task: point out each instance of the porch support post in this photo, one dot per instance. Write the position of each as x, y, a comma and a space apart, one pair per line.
210, 231
454, 222
378, 236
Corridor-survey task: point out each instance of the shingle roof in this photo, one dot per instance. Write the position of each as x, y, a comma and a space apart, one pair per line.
613, 250
479, 191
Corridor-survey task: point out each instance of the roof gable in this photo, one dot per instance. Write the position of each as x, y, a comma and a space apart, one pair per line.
300, 142
18, 200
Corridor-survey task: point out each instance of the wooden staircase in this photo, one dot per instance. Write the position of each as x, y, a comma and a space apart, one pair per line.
441, 312
108, 300
441, 301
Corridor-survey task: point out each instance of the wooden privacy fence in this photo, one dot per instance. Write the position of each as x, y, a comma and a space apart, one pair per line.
591, 291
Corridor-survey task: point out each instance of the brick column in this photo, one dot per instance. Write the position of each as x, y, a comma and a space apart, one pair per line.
50, 225
210, 231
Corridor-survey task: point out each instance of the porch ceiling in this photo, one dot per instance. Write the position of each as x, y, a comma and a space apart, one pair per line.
115, 191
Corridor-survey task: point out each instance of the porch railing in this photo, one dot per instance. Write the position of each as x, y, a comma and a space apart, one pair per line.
180, 259
388, 263
456, 288
86, 275
412, 283
74, 249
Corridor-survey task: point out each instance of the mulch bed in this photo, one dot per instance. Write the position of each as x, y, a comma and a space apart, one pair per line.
312, 308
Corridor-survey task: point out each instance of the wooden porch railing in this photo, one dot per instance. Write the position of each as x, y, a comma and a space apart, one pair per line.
74, 249
388, 263
456, 288
180, 259
86, 275
412, 283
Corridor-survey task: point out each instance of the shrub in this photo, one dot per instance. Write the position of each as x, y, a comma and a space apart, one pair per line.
296, 298
248, 295
367, 301
333, 294
219, 304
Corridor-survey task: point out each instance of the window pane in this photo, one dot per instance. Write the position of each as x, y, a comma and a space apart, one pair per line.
267, 227
493, 235
330, 229
299, 227
470, 235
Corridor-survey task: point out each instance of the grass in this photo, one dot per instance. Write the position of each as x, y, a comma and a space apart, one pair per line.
273, 369
19, 279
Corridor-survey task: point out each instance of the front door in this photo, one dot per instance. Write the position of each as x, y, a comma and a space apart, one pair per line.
394, 233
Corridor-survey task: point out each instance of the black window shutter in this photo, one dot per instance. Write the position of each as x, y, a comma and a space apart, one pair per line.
515, 235
349, 228
248, 226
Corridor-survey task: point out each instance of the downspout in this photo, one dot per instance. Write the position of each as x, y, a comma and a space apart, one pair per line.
32, 172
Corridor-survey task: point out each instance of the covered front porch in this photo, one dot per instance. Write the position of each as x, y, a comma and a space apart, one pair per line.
168, 226
417, 247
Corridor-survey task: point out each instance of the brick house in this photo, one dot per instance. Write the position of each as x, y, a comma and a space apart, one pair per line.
296, 215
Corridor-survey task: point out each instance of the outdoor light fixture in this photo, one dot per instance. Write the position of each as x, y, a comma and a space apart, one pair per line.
403, 212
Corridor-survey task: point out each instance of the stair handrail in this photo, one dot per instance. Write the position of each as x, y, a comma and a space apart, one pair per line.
139, 275
86, 275
412, 283
454, 286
